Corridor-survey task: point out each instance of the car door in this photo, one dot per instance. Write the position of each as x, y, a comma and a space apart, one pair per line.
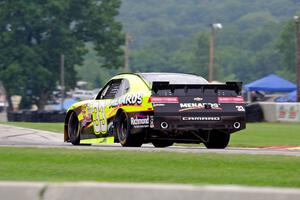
101, 105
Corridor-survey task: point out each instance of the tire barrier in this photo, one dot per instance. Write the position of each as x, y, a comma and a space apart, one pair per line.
36, 116
254, 113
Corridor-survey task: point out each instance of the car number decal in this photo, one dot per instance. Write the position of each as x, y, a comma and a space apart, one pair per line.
99, 119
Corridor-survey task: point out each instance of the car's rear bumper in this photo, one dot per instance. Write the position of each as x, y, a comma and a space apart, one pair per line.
172, 123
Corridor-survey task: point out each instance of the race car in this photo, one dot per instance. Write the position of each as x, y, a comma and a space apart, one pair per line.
158, 108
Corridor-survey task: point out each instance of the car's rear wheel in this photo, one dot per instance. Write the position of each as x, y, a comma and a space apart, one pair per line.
74, 129
217, 140
123, 132
162, 143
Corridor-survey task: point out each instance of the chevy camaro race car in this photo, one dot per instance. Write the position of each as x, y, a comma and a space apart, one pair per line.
161, 108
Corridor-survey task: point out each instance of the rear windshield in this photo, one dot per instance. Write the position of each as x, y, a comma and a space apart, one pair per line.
187, 79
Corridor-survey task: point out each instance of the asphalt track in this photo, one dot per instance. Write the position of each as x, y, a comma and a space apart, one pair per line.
11, 136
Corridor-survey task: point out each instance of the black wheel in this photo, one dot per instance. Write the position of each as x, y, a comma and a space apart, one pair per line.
162, 143
73, 129
217, 140
123, 132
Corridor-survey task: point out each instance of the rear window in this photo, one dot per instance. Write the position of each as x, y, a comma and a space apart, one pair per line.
173, 78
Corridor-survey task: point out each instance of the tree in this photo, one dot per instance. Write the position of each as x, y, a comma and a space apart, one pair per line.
201, 56
100, 75
286, 46
34, 33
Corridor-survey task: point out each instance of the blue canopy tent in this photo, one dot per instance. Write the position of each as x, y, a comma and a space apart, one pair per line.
270, 83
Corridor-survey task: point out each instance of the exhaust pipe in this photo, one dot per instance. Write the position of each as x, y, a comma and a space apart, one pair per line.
164, 125
237, 125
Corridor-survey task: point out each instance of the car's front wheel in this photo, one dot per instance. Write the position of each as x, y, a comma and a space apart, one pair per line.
74, 129
123, 132
217, 140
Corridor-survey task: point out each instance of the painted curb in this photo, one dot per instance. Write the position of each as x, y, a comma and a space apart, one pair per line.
129, 191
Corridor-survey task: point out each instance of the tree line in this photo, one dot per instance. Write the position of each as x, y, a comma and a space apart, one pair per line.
34, 34
173, 36
170, 35
257, 36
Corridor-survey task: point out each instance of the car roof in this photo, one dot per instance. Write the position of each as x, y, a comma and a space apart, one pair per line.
163, 73
173, 78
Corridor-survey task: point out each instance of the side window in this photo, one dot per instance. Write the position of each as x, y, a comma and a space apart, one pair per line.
110, 90
124, 88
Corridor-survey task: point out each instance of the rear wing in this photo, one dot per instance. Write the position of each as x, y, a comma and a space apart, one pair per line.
163, 85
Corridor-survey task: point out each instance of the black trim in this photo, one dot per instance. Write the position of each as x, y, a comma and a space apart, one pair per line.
236, 86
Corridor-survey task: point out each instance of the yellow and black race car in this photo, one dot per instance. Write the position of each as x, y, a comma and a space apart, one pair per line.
161, 108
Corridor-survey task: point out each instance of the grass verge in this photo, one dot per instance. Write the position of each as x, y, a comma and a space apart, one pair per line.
267, 134
53, 127
28, 164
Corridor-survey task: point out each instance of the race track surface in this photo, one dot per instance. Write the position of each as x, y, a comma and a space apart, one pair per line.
11, 136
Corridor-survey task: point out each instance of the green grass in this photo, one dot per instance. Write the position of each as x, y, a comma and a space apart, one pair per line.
267, 134
255, 135
54, 127
28, 164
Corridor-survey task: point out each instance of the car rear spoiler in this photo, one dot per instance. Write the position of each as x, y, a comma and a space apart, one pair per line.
163, 85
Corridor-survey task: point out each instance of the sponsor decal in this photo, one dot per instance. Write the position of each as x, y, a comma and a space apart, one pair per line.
193, 106
201, 118
293, 112
131, 99
140, 121
240, 108
288, 112
198, 99
86, 114
282, 112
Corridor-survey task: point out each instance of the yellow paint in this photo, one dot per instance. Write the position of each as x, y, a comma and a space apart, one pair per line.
100, 110
106, 140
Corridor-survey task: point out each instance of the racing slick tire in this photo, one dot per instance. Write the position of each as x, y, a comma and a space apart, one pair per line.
73, 129
217, 140
123, 132
162, 143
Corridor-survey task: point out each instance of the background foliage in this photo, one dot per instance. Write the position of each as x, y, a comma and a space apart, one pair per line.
33, 35
172, 35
